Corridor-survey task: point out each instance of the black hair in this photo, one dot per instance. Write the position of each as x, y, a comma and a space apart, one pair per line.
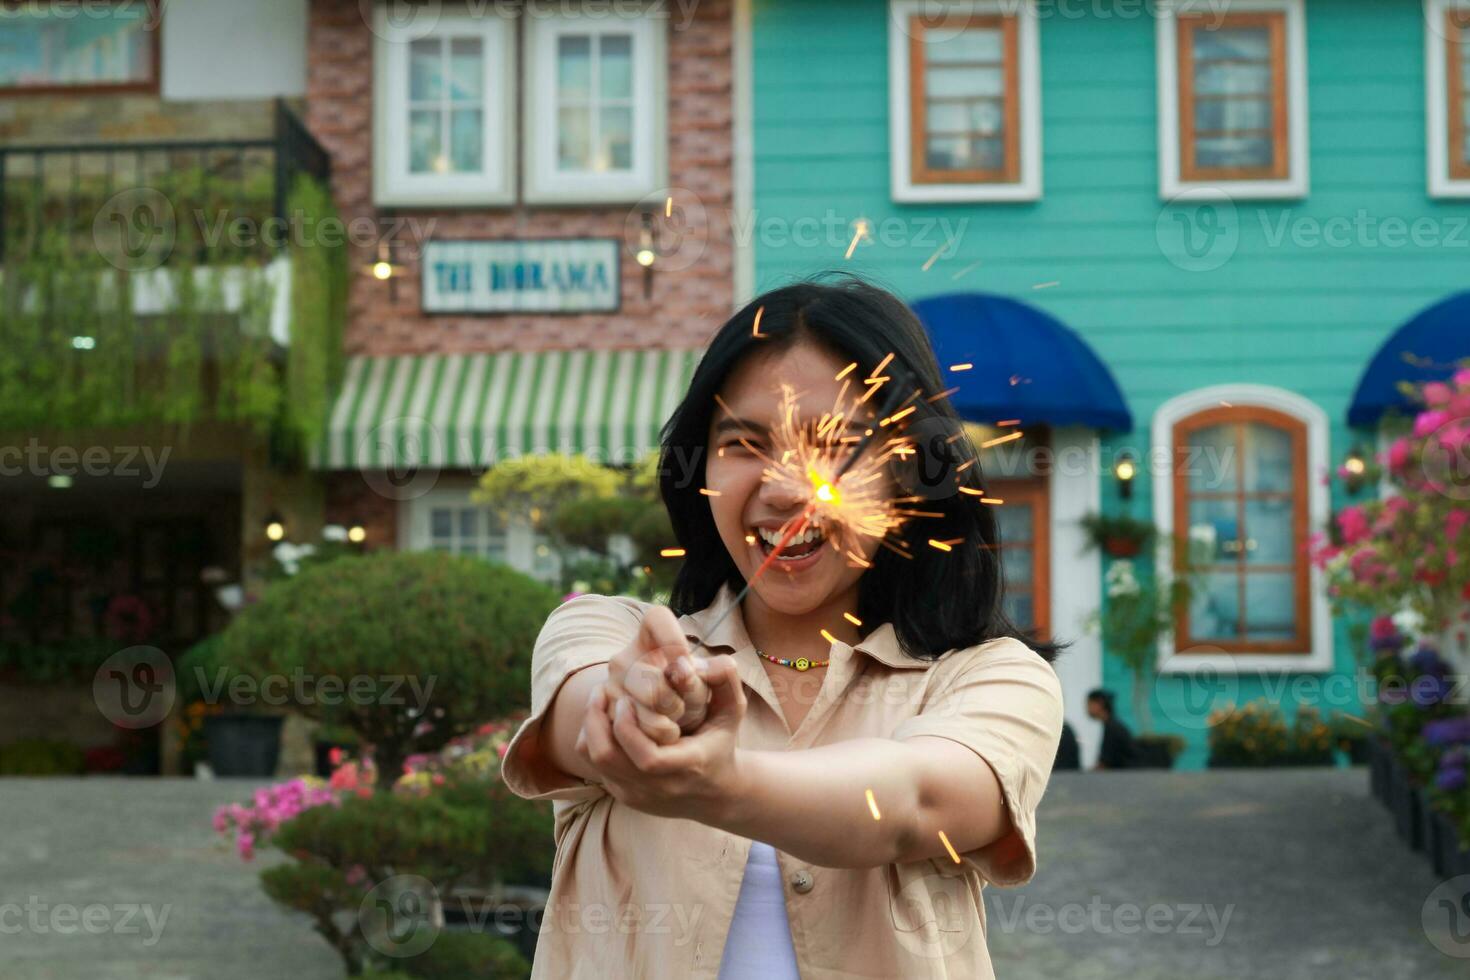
1103, 696
936, 601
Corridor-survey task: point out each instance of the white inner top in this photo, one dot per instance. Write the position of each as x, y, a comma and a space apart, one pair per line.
759, 945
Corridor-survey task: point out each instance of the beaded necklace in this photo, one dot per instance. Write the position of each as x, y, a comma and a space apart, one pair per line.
800, 663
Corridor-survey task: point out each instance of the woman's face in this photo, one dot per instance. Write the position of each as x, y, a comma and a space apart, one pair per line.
747, 510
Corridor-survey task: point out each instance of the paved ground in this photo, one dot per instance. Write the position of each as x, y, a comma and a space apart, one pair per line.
1303, 863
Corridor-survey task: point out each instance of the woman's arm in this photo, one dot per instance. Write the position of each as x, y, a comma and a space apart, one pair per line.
563, 722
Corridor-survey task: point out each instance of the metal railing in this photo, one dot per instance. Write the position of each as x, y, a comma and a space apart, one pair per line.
203, 190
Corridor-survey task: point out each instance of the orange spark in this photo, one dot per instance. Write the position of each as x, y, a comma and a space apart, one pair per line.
828, 637
852, 619
941, 545
949, 847
991, 500
672, 553
873, 806
708, 492
997, 441
668, 207
961, 367
845, 371
755, 328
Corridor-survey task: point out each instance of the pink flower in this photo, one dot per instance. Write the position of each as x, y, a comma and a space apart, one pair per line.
1437, 394
1462, 377
502, 749
1353, 524
1427, 422
1398, 455
1455, 522
246, 844
334, 756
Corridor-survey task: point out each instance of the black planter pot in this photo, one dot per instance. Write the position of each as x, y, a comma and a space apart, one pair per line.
244, 745
1404, 803
1449, 859
1359, 751
1378, 770
1426, 832
1150, 754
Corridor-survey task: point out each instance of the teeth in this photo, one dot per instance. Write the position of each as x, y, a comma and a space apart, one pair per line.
773, 537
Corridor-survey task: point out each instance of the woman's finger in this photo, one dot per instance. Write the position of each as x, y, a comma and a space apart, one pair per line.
602, 750
662, 729
639, 748
660, 632
727, 692
648, 686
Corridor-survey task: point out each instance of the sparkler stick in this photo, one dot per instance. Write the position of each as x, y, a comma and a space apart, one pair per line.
804, 518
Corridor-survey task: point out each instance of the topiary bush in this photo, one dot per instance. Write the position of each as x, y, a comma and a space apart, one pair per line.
458, 955
406, 649
41, 757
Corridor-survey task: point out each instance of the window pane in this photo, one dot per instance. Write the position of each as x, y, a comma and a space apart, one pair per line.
1270, 602
958, 153
963, 81
441, 522
1240, 154
973, 44
466, 67
1014, 522
424, 153
1210, 463
616, 138
573, 67
1268, 463
469, 522
980, 116
1233, 43
616, 66
109, 45
574, 139
466, 139
1016, 564
1230, 78
1214, 612
1232, 115
1268, 527
1214, 527
1020, 609
425, 70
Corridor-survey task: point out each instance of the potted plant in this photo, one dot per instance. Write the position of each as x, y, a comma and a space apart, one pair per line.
239, 739
1119, 535
1137, 615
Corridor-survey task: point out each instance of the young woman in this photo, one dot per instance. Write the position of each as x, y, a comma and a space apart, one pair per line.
819, 786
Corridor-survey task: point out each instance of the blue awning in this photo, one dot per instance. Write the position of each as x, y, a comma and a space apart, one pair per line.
1422, 350
1026, 364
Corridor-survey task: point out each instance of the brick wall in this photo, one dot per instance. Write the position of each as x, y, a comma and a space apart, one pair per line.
686, 305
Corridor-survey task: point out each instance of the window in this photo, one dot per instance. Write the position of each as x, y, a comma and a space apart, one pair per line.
74, 48
448, 519
1447, 81
1025, 551
444, 111
595, 115
464, 528
1239, 492
964, 102
1232, 99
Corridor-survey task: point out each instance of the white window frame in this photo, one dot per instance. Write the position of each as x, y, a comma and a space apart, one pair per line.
521, 540
1436, 101
543, 183
1319, 658
393, 183
1028, 71
1171, 185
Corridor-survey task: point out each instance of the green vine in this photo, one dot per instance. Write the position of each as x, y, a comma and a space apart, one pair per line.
74, 353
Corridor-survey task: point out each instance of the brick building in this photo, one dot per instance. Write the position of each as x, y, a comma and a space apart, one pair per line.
552, 187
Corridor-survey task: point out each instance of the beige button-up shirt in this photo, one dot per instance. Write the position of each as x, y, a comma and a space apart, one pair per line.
648, 897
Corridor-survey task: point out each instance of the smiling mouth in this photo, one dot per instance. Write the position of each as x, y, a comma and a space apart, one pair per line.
802, 545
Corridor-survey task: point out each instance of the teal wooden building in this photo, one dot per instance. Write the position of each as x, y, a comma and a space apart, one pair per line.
1220, 212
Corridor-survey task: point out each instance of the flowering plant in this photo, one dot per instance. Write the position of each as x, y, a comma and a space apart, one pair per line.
1412, 549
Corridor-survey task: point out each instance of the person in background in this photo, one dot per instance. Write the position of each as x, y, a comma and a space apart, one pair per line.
1069, 755
1118, 749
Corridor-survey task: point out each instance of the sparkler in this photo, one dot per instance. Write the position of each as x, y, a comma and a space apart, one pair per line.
845, 513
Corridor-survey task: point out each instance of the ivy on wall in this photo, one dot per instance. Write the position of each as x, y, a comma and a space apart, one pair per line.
74, 353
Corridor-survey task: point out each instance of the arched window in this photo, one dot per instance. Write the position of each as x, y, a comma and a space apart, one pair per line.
1241, 480
1240, 477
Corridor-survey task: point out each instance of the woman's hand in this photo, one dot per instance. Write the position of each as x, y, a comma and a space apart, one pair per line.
695, 776
657, 672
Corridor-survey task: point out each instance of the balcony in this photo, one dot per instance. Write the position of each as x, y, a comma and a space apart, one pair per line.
170, 281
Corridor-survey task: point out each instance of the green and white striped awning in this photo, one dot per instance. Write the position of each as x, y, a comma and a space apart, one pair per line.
472, 410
